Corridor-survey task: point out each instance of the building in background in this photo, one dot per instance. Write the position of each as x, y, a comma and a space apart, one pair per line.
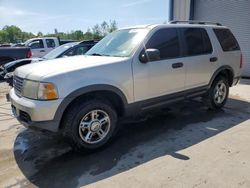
233, 14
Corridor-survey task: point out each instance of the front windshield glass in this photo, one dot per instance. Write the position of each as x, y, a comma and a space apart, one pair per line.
57, 51
120, 43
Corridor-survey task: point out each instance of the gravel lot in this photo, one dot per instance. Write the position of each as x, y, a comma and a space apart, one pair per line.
187, 146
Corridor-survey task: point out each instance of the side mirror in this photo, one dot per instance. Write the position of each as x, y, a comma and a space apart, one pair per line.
150, 55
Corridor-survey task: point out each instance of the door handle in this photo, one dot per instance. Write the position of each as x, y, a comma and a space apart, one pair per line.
177, 65
42, 50
213, 59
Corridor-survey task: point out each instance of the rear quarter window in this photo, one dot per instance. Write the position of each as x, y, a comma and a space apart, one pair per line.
226, 39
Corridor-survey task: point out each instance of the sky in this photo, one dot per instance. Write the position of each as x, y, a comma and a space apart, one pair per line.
67, 15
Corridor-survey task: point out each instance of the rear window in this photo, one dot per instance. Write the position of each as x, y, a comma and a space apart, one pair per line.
227, 41
197, 41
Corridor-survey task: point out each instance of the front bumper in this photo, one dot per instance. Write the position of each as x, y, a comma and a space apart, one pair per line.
34, 113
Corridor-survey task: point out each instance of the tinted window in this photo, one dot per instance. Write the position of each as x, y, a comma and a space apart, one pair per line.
226, 39
166, 41
50, 43
36, 44
197, 41
70, 53
81, 50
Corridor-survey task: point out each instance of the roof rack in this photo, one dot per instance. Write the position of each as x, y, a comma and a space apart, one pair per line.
195, 22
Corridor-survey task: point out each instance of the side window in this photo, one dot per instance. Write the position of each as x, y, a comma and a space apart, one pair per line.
36, 44
166, 41
50, 43
227, 41
197, 41
81, 50
71, 52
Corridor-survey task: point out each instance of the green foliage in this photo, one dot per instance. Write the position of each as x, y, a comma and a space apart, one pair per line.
13, 34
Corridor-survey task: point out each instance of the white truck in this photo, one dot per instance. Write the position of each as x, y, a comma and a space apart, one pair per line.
41, 46
35, 47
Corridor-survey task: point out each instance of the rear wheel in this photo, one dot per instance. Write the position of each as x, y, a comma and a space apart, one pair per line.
89, 125
217, 95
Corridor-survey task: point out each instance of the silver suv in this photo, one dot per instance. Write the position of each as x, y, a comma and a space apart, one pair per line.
129, 72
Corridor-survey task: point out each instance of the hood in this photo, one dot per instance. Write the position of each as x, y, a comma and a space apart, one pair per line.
63, 65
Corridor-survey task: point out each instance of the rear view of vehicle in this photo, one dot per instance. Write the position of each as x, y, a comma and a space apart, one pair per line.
8, 54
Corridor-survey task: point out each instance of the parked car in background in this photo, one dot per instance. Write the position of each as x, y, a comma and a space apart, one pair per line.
66, 50
130, 72
41, 46
8, 54
35, 47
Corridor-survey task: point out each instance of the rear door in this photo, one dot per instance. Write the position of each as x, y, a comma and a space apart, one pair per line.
50, 45
200, 58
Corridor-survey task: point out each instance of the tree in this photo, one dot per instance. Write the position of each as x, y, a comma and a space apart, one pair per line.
13, 34
56, 31
104, 28
3, 36
39, 34
112, 26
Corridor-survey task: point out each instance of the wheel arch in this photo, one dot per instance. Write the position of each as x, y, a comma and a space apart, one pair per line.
102, 91
226, 71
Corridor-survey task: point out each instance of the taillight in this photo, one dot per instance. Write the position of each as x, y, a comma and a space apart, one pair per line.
241, 61
29, 54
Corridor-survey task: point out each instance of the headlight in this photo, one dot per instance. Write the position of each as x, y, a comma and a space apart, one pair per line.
30, 89
47, 91
39, 90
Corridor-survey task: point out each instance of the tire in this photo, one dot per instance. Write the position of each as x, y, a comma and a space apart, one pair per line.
211, 99
86, 121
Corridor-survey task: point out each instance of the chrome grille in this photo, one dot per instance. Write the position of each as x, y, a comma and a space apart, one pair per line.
18, 85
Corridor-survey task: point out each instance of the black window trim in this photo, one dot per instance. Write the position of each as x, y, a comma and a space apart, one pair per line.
185, 54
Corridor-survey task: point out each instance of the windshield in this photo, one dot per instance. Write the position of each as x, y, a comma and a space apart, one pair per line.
58, 51
119, 43
27, 42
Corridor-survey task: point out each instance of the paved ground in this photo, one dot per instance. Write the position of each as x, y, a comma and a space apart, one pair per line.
185, 147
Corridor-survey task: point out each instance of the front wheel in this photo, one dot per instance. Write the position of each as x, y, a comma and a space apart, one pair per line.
217, 95
89, 125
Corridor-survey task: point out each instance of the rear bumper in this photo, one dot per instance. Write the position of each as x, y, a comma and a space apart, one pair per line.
35, 114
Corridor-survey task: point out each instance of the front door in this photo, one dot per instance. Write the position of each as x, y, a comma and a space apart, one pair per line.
161, 77
37, 48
